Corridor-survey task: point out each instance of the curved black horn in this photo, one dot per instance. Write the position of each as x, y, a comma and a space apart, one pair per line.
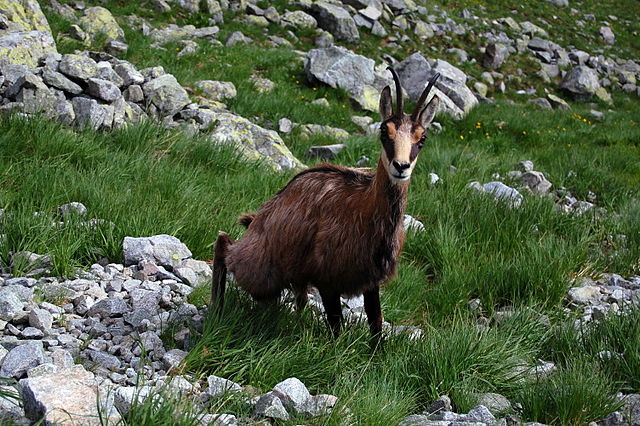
399, 102
423, 96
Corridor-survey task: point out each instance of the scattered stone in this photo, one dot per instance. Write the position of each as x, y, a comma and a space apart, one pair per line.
503, 192
536, 182
411, 223
166, 94
22, 358
580, 82
165, 250
494, 56
336, 20
269, 405
293, 393
78, 67
216, 90
607, 34
325, 152
298, 20
219, 386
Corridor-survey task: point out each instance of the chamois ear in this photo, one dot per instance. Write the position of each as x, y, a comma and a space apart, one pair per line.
386, 108
429, 112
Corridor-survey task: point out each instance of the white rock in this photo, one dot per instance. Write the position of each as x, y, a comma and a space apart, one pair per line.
219, 386
293, 393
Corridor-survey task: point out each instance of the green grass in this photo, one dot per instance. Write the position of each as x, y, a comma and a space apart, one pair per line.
146, 180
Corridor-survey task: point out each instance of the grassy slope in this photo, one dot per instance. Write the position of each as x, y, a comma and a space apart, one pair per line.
148, 180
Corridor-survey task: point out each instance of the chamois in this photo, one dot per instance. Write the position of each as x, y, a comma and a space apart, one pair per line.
335, 228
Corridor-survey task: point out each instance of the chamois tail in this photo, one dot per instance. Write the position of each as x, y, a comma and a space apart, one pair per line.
219, 281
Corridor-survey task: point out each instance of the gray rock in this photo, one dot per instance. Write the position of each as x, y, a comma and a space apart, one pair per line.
78, 67
237, 38
298, 19
166, 94
99, 21
422, 420
269, 405
480, 414
293, 393
494, 56
63, 112
62, 358
536, 182
443, 403
126, 396
494, 402
607, 34
415, 71
27, 35
109, 308
165, 250
73, 209
41, 319
22, 358
219, 386
70, 395
217, 90
10, 304
104, 360
525, 166
194, 272
172, 358
103, 89
88, 112
26, 81
410, 223
558, 103
319, 405
541, 103
129, 74
31, 333
336, 20
339, 67
503, 192
42, 369
253, 141
133, 93
584, 295
285, 125
325, 152
580, 82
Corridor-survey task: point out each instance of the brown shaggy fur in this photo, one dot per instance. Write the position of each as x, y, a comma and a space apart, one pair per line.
337, 229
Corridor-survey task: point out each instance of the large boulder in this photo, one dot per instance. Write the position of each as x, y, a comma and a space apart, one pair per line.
67, 396
253, 141
340, 67
336, 20
27, 35
415, 72
581, 82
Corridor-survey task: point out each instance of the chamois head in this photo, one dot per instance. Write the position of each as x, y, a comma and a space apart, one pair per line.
403, 135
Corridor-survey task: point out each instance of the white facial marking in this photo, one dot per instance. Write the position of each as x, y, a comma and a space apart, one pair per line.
403, 143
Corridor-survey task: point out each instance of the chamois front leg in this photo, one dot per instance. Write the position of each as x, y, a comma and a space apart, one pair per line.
219, 281
333, 310
374, 313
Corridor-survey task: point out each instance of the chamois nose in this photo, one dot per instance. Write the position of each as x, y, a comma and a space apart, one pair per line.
401, 167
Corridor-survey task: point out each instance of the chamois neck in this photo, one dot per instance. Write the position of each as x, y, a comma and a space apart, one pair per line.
389, 199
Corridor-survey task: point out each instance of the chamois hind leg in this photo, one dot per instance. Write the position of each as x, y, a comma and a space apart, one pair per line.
374, 314
218, 284
333, 310
301, 297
